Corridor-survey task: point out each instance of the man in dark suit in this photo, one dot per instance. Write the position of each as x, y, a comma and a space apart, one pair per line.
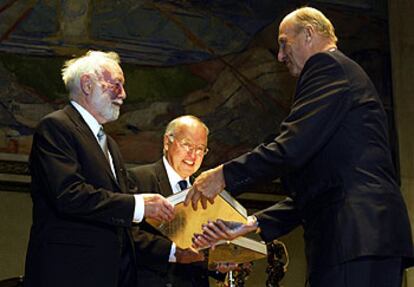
81, 210
333, 157
160, 261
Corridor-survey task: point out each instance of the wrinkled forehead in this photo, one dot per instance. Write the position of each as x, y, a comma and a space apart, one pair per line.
193, 131
287, 28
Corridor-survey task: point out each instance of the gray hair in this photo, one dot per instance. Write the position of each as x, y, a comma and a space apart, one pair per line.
310, 16
90, 63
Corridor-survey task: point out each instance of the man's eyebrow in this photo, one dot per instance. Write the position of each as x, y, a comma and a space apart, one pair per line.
119, 80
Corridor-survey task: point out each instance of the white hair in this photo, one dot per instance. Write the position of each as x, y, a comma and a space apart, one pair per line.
90, 63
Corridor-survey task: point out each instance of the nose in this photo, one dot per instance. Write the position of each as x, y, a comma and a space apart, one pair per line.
281, 55
122, 94
192, 152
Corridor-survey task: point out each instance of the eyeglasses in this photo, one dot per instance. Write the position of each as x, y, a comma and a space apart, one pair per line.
114, 88
190, 147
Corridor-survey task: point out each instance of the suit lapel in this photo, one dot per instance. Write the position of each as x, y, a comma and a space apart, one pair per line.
192, 179
162, 177
83, 128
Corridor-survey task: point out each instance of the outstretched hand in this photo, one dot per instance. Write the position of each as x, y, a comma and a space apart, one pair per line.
206, 187
215, 231
194, 196
157, 207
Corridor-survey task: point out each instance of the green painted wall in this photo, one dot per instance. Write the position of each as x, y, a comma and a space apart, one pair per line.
143, 84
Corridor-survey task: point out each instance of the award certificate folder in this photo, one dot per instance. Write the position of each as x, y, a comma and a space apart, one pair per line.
188, 221
239, 250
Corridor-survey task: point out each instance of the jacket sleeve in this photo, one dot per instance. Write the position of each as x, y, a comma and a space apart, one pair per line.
58, 176
151, 247
321, 103
152, 250
278, 219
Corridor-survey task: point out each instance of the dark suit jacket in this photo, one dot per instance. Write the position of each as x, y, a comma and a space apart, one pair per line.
334, 159
152, 248
81, 213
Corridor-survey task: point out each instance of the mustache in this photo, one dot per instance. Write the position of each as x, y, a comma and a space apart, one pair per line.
117, 102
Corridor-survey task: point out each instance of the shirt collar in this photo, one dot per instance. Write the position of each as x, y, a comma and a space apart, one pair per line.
88, 118
173, 176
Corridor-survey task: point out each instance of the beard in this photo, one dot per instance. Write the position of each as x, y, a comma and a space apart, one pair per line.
103, 104
110, 112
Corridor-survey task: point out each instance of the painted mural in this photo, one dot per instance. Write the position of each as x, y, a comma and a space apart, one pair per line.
213, 59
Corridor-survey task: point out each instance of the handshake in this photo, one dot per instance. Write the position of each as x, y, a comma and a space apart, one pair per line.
215, 231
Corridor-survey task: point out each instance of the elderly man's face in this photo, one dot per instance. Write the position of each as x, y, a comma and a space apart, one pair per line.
292, 47
185, 149
107, 94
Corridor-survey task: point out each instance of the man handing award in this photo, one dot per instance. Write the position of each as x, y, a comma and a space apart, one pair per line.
333, 157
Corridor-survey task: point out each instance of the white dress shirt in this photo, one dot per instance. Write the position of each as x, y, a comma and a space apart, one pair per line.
94, 127
173, 178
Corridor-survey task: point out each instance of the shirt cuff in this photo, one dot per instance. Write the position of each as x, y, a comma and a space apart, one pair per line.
139, 208
172, 257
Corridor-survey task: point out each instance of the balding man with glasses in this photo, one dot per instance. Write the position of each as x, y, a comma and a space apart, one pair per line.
160, 261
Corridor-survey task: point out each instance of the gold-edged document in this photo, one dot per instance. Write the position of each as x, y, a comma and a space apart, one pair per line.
188, 221
239, 250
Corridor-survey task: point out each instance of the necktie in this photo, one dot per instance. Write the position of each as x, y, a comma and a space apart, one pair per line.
104, 146
102, 142
183, 184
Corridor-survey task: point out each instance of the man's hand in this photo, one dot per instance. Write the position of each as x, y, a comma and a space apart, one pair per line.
206, 187
158, 208
188, 255
215, 231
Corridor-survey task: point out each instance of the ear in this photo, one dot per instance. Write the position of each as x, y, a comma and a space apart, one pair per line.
309, 33
166, 142
86, 84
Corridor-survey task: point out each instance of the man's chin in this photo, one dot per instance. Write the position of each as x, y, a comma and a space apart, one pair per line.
115, 113
292, 71
112, 116
187, 172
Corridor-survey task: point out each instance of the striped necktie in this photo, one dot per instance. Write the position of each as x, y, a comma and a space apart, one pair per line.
104, 146
102, 142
